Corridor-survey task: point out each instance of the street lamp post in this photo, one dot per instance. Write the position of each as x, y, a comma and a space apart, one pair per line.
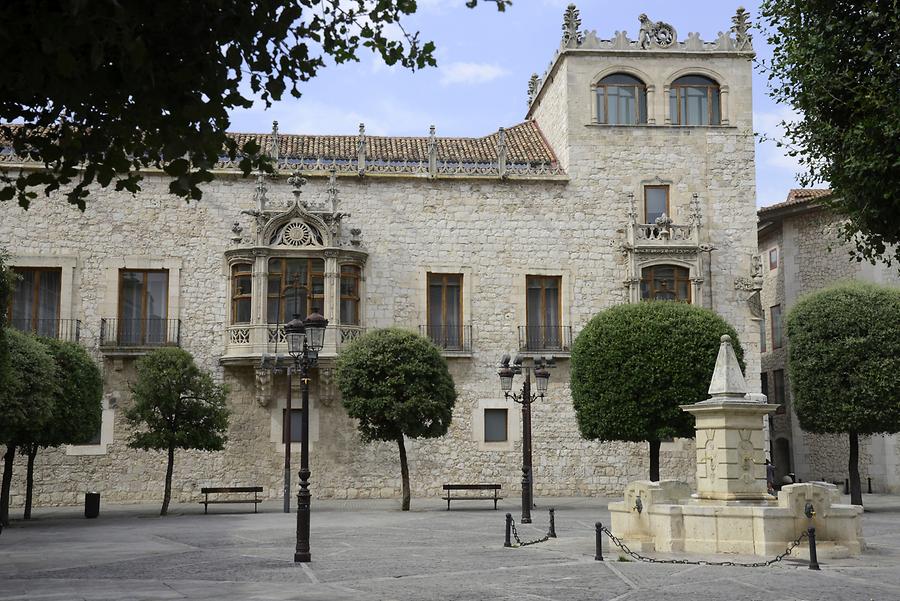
542, 377
305, 339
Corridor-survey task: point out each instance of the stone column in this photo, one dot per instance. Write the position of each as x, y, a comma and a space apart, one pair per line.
723, 104
667, 117
651, 104
730, 451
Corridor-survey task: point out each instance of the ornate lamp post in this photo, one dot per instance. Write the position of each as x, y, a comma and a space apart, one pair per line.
542, 377
305, 339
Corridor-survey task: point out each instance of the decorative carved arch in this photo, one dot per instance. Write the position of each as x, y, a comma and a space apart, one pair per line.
621, 69
297, 228
713, 75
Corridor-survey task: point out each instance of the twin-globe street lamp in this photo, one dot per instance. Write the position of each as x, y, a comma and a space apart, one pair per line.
305, 338
542, 378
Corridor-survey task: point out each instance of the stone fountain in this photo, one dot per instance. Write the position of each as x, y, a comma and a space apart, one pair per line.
731, 511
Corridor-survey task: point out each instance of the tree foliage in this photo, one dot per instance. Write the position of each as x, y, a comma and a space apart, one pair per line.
28, 403
78, 406
7, 284
396, 384
633, 365
844, 363
176, 406
844, 359
106, 88
35, 386
836, 64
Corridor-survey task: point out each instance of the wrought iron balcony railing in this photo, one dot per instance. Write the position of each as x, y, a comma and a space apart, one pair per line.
139, 333
545, 338
449, 338
63, 329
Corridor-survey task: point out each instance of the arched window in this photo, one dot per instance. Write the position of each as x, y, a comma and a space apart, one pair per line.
296, 286
666, 282
241, 289
621, 100
694, 100
350, 275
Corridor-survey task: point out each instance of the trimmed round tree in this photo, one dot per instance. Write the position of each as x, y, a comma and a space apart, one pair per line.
396, 384
77, 408
27, 404
844, 363
176, 406
633, 365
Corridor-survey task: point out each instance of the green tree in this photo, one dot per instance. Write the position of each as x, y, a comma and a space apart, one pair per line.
105, 89
176, 406
396, 384
77, 407
633, 365
27, 404
836, 64
844, 362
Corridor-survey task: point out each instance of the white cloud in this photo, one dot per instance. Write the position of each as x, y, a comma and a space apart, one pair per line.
470, 73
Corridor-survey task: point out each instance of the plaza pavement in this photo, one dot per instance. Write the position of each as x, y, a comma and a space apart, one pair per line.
369, 550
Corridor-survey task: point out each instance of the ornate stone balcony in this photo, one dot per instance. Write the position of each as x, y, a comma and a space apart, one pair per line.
247, 343
664, 233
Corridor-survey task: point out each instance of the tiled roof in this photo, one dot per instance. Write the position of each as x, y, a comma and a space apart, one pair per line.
797, 196
524, 143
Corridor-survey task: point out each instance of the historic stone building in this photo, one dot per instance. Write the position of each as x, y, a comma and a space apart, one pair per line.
802, 252
631, 177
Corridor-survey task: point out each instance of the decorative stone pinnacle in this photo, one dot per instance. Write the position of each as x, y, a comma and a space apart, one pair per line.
274, 144
297, 181
571, 23
727, 380
533, 84
740, 27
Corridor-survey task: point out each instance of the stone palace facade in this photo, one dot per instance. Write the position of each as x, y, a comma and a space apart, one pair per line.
630, 177
802, 252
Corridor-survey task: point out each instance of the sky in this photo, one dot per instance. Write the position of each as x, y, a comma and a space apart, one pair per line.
485, 59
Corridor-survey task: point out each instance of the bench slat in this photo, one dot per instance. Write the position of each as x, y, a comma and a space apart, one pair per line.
235, 501
472, 487
224, 489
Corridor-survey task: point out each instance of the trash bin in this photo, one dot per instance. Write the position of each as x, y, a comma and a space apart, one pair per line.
91, 504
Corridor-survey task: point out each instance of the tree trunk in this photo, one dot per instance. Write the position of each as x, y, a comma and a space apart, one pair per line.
654, 460
29, 480
404, 473
855, 487
7, 482
167, 495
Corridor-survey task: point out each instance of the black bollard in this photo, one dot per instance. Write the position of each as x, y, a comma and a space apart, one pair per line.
507, 542
813, 559
552, 532
599, 554
870, 485
846, 486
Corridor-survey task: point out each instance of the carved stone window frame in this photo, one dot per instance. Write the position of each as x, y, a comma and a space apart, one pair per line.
649, 89
724, 107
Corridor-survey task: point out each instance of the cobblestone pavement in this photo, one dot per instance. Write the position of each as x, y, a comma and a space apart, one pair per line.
370, 550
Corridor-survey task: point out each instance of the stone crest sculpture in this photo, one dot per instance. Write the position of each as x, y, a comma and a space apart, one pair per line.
655, 33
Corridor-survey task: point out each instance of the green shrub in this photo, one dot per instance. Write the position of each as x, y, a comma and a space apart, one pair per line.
633, 365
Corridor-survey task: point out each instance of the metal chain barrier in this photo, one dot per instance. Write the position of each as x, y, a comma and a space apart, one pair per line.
701, 562
511, 529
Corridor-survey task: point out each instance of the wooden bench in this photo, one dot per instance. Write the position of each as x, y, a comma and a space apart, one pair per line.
229, 490
451, 487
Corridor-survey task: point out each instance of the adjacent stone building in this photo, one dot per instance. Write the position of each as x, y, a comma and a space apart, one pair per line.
631, 177
802, 252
